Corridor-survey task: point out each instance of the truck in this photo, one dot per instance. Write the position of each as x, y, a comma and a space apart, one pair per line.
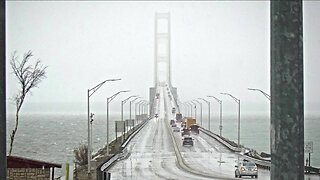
178, 117
190, 121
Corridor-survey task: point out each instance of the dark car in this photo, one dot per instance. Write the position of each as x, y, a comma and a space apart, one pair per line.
187, 140
185, 131
156, 115
194, 128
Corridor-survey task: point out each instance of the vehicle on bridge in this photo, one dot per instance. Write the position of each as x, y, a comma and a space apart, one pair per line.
178, 117
185, 131
190, 121
194, 128
187, 140
176, 129
246, 168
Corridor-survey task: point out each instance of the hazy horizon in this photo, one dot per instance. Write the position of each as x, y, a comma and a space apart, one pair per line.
215, 47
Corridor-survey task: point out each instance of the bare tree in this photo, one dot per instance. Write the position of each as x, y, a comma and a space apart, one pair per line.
81, 155
29, 76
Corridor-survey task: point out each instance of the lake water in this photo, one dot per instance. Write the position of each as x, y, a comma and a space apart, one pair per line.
52, 137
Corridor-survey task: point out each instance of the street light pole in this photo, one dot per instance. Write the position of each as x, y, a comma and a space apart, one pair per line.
220, 102
91, 122
109, 99
122, 103
264, 93
141, 109
147, 108
90, 92
185, 109
190, 105
135, 111
186, 105
238, 102
195, 109
130, 107
208, 102
200, 111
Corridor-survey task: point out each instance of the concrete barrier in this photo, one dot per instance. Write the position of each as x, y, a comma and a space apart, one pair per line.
222, 141
261, 163
121, 155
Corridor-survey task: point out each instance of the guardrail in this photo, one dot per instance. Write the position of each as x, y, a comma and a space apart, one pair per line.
261, 163
222, 141
124, 144
109, 162
180, 161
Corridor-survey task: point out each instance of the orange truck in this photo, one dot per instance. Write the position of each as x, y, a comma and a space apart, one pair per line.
190, 121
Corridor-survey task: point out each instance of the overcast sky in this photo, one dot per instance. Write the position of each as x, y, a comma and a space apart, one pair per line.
215, 47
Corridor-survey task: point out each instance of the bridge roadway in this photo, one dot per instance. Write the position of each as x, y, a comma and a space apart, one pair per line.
152, 154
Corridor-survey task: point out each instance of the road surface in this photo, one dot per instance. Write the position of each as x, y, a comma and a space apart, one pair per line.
152, 154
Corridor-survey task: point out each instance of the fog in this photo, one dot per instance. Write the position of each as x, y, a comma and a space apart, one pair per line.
215, 47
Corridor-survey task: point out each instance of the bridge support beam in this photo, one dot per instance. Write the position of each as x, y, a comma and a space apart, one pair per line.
287, 109
152, 94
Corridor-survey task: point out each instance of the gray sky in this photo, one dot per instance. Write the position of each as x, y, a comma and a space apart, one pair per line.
215, 47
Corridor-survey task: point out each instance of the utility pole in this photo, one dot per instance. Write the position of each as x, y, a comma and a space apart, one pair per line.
287, 108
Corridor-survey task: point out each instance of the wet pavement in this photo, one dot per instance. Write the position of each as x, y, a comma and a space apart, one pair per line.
152, 154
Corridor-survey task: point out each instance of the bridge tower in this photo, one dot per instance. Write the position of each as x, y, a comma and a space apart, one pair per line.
162, 61
162, 58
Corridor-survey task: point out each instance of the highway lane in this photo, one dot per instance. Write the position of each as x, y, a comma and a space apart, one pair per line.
208, 156
151, 154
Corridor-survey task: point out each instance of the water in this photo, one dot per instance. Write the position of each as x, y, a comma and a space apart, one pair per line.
255, 132
52, 137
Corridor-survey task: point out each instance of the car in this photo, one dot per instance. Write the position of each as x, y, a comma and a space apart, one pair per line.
176, 129
187, 140
174, 125
185, 131
194, 128
172, 122
156, 115
246, 168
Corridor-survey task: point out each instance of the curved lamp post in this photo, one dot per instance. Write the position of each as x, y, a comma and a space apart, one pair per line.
130, 106
190, 105
122, 104
208, 102
135, 110
264, 93
220, 102
238, 102
109, 99
195, 109
186, 108
200, 110
90, 92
